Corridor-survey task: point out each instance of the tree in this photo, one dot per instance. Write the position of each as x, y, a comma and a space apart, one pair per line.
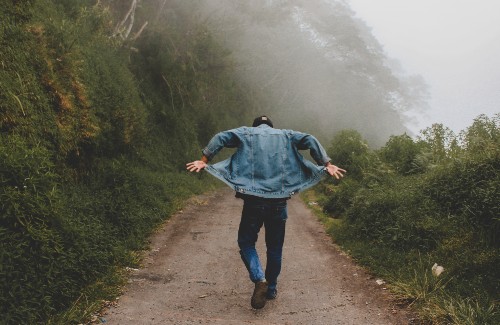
400, 152
350, 151
439, 140
483, 135
313, 65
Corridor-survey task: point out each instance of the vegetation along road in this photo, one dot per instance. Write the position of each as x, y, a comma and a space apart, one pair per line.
193, 275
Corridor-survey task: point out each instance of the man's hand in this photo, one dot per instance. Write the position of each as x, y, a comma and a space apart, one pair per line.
335, 171
196, 166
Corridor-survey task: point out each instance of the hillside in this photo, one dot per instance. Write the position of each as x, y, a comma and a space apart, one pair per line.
95, 131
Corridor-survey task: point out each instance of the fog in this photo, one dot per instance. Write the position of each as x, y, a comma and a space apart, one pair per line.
453, 44
311, 65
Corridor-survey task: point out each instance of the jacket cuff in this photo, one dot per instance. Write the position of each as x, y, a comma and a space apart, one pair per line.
207, 153
324, 160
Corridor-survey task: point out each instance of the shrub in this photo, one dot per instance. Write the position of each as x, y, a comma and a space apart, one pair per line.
349, 150
401, 152
29, 244
442, 202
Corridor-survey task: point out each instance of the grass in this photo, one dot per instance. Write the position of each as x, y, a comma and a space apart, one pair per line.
93, 299
313, 199
409, 276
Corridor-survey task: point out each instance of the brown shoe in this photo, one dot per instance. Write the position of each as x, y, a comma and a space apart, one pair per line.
259, 295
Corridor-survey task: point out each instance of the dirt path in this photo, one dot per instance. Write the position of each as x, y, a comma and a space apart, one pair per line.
193, 275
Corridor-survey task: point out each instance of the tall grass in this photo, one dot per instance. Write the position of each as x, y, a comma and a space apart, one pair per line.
434, 197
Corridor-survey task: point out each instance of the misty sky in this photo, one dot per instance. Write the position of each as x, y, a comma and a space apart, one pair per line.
453, 44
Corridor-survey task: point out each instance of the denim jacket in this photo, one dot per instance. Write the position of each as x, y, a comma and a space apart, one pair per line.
267, 162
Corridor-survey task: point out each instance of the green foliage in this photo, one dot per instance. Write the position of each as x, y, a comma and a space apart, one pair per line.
365, 169
401, 153
28, 198
381, 215
435, 196
440, 140
421, 285
482, 138
465, 311
94, 138
340, 198
469, 188
348, 148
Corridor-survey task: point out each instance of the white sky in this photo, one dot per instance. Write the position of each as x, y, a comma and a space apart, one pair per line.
453, 44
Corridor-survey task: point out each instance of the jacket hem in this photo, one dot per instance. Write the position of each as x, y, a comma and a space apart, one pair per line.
276, 195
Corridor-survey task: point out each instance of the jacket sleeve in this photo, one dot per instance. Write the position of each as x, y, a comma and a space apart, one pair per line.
224, 139
304, 141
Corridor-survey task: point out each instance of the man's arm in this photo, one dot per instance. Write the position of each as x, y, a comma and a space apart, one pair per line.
224, 139
304, 141
228, 139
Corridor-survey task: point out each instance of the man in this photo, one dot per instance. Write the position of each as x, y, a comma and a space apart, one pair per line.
265, 171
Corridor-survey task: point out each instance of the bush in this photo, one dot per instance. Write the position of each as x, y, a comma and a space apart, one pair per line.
401, 152
442, 202
349, 150
29, 245
340, 198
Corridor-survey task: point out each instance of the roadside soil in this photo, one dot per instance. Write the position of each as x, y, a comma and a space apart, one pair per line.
193, 274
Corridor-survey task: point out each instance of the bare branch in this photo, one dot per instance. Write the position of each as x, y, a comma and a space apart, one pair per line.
160, 10
171, 92
180, 94
130, 14
139, 32
132, 19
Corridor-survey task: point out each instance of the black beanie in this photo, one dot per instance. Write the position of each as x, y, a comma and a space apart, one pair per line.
262, 120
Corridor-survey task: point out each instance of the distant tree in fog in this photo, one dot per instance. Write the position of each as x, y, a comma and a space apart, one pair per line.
312, 65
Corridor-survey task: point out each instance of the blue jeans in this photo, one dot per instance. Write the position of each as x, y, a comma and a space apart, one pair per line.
273, 215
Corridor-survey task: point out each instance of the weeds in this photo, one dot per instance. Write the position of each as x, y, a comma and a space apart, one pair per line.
422, 287
468, 311
392, 213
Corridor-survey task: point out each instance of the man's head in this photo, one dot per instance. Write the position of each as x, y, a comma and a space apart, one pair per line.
262, 120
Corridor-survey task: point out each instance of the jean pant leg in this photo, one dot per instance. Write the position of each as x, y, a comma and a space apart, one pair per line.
275, 223
250, 224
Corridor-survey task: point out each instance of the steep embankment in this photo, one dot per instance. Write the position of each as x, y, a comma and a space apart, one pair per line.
94, 134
